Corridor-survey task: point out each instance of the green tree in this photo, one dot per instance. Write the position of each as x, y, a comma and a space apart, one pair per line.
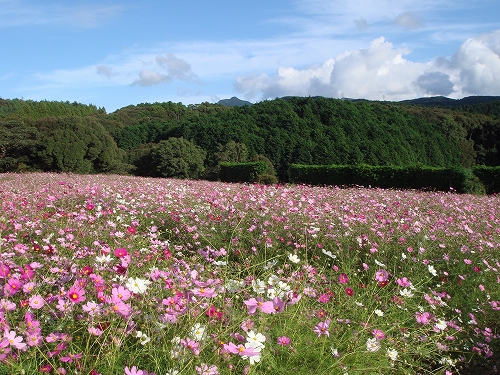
78, 144
18, 142
178, 158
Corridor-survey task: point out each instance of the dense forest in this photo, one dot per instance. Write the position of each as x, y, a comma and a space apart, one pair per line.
175, 140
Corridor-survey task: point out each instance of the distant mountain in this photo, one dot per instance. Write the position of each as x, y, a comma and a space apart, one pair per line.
234, 102
441, 101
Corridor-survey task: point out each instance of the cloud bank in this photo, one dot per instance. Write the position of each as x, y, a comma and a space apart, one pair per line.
382, 71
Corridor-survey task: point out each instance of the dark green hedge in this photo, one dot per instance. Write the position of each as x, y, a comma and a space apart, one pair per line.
489, 176
242, 172
461, 180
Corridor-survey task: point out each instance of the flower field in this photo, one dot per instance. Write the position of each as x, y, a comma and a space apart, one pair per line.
137, 276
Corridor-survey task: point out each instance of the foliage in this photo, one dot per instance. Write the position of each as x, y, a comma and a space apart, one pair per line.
177, 157
415, 177
18, 143
242, 172
77, 144
489, 177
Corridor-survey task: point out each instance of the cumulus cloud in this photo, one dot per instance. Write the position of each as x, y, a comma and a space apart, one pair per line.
166, 68
478, 63
408, 20
382, 71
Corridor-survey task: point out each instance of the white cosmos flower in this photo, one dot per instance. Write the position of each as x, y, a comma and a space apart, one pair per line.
378, 312
256, 340
392, 354
372, 345
293, 258
432, 270
198, 332
137, 285
258, 286
406, 293
105, 258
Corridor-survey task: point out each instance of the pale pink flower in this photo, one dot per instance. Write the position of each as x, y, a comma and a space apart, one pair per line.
36, 302
258, 304
13, 340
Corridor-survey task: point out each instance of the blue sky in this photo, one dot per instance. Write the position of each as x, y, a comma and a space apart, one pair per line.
116, 53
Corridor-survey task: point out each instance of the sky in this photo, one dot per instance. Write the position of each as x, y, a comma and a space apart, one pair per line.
114, 53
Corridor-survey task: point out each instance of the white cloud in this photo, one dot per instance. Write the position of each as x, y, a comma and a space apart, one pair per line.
478, 63
382, 71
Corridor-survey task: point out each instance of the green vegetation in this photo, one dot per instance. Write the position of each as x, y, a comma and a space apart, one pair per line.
72, 137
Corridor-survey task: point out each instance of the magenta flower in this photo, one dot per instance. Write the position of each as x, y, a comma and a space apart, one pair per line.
343, 278
258, 304
76, 294
12, 286
349, 291
324, 298
70, 357
284, 341
278, 305
322, 328
378, 334
121, 252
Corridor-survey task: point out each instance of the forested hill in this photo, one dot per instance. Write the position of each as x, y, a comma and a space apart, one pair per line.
138, 139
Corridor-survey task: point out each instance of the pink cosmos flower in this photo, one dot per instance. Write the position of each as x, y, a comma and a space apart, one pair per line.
381, 275
133, 371
192, 345
423, 318
278, 305
258, 303
241, 350
404, 282
76, 294
204, 369
92, 308
4, 271
204, 292
36, 302
120, 293
322, 328
349, 291
378, 334
12, 286
10, 338
70, 357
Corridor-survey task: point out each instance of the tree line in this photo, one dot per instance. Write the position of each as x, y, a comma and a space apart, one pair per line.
174, 140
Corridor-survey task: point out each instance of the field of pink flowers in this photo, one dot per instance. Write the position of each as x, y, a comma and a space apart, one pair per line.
136, 276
